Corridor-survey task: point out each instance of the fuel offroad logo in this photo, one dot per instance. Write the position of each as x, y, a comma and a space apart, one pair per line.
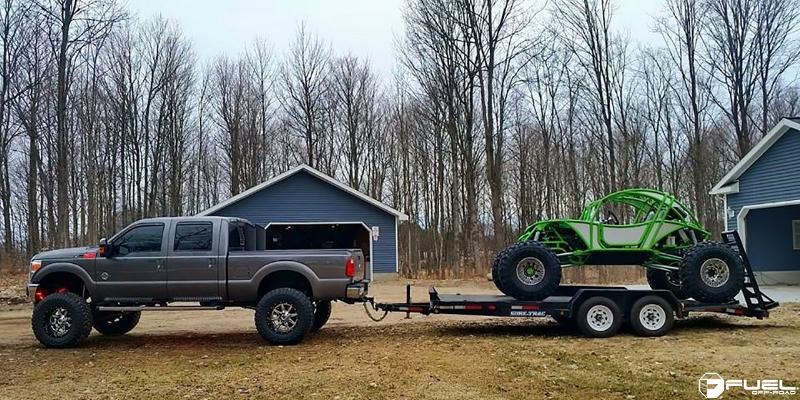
712, 385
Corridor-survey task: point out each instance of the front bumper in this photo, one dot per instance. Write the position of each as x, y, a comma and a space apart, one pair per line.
357, 290
30, 290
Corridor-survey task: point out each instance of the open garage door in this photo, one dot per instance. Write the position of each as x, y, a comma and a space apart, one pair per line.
320, 235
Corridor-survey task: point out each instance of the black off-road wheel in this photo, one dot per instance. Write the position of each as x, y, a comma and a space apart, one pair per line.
62, 320
599, 317
112, 323
284, 316
651, 316
712, 273
527, 271
495, 278
663, 280
322, 312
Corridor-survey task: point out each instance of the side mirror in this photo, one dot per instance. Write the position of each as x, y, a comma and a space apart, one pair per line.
104, 250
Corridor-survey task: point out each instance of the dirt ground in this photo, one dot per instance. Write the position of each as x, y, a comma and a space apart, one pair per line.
213, 355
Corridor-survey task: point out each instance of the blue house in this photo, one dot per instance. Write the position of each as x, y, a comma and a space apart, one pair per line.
304, 209
762, 201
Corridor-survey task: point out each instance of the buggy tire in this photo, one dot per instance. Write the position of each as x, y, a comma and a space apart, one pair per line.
61, 320
599, 317
495, 277
322, 312
660, 280
293, 312
527, 271
712, 273
651, 316
111, 323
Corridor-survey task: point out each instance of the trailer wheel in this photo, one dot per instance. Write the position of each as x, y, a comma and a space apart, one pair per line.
284, 316
651, 316
322, 312
527, 271
712, 272
658, 279
599, 317
62, 320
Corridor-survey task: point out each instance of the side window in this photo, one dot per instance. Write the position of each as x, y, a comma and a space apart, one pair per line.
796, 234
141, 239
193, 236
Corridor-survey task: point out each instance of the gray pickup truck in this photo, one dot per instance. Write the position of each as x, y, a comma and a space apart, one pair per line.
215, 261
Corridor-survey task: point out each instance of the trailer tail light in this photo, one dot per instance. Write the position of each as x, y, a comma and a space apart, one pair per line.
350, 268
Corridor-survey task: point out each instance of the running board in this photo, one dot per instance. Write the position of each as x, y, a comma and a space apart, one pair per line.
158, 308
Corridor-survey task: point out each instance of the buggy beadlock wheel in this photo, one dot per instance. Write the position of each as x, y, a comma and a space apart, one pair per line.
712, 272
322, 312
115, 323
284, 316
599, 317
527, 271
651, 316
659, 279
61, 320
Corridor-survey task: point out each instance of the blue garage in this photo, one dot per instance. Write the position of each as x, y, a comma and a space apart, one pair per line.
762, 201
304, 208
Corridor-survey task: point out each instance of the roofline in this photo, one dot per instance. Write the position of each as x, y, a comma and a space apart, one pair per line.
304, 167
753, 155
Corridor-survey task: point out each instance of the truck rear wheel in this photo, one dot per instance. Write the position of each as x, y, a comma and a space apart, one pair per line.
712, 273
284, 316
599, 317
62, 320
651, 316
322, 312
527, 271
115, 323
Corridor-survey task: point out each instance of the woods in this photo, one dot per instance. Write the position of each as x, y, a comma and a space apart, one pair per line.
498, 113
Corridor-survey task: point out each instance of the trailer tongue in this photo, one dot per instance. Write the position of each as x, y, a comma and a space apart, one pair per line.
598, 311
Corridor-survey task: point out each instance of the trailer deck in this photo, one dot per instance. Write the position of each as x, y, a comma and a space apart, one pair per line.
598, 311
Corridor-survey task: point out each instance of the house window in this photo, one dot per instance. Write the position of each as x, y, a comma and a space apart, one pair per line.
796, 234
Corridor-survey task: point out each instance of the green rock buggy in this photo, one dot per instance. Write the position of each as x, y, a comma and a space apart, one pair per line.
654, 230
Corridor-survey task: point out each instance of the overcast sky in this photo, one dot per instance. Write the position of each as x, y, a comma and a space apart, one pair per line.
366, 28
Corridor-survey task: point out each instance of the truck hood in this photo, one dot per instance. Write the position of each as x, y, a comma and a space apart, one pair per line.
72, 252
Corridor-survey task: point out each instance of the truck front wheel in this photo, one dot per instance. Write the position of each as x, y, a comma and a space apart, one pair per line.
115, 323
284, 316
62, 320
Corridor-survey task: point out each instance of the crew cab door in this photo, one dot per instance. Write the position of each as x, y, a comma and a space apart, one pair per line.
193, 263
134, 270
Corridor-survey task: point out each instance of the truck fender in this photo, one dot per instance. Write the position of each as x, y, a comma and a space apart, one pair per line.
286, 265
73, 269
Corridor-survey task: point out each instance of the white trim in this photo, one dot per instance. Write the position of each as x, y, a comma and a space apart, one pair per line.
754, 154
303, 167
728, 189
725, 211
741, 219
396, 245
369, 232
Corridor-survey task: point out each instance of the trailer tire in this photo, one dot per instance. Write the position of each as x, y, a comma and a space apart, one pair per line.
651, 316
527, 271
663, 280
111, 323
62, 320
599, 317
322, 312
712, 272
284, 316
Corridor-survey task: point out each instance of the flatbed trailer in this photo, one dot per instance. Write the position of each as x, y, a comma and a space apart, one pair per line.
598, 311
